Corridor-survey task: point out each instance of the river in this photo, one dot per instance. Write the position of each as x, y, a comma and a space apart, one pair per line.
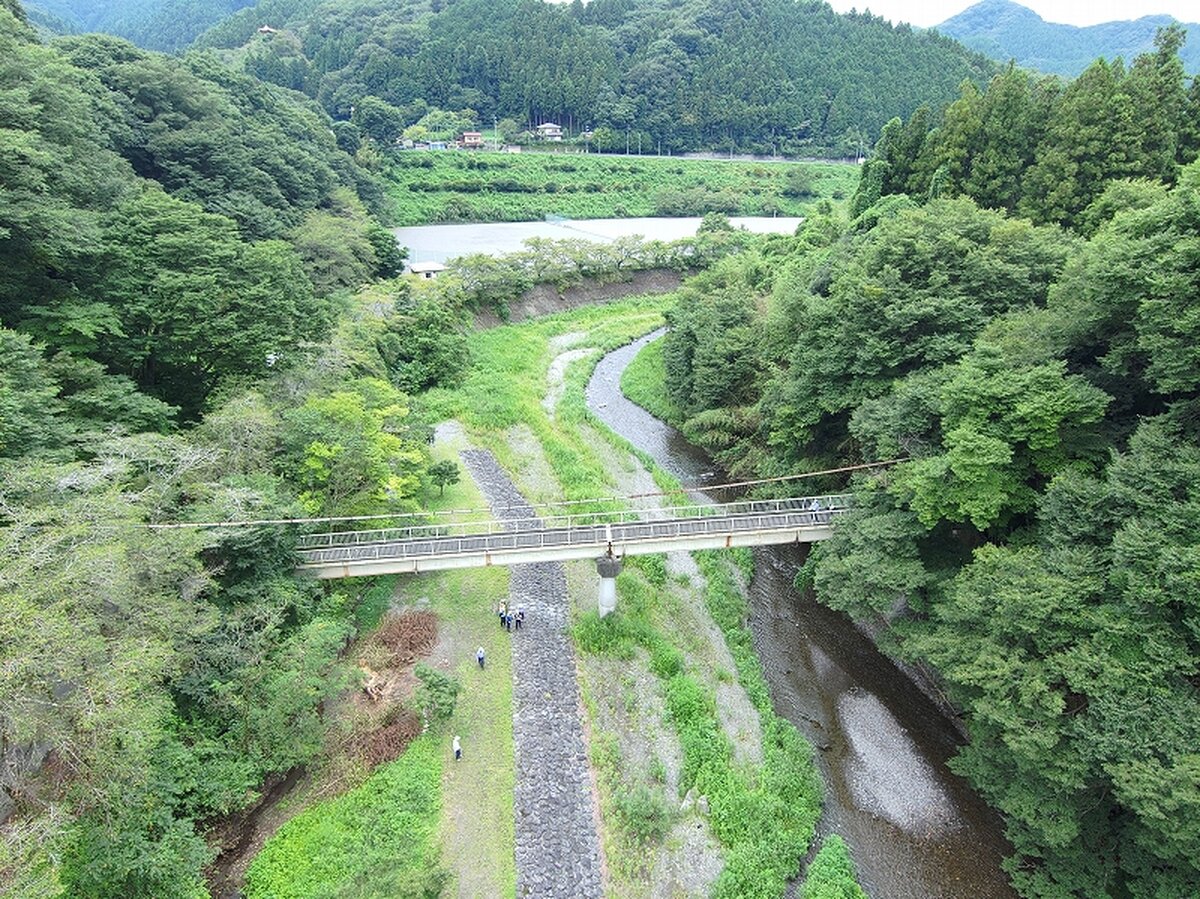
439, 243
916, 830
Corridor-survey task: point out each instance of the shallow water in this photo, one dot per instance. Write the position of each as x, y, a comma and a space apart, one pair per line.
439, 243
916, 831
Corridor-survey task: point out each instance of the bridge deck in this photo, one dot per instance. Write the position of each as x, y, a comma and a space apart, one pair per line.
429, 548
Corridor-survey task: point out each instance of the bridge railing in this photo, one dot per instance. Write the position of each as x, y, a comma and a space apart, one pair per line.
821, 508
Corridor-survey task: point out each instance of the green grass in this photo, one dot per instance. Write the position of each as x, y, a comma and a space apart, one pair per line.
376, 840
507, 382
764, 818
477, 824
644, 382
487, 186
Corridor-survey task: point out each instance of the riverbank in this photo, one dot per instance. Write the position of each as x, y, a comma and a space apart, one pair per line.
915, 829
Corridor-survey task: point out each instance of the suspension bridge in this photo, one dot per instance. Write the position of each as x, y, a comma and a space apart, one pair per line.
563, 537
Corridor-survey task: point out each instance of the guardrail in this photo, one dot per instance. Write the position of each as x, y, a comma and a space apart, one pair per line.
574, 520
584, 529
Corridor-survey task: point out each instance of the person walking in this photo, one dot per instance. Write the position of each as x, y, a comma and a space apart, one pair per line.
508, 622
457, 746
520, 618
479, 657
502, 610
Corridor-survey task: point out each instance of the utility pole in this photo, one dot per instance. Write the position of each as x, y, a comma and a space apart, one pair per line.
626, 140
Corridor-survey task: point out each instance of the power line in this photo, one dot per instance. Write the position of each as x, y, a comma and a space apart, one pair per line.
461, 513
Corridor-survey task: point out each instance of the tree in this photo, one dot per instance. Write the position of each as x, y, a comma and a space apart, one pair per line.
443, 473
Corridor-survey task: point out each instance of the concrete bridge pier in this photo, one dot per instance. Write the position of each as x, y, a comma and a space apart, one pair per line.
608, 567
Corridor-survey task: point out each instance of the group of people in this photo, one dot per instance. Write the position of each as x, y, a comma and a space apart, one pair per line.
508, 618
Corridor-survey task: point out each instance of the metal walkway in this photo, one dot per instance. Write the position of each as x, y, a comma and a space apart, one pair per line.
582, 536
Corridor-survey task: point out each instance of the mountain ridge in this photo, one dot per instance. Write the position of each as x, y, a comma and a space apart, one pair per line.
1003, 30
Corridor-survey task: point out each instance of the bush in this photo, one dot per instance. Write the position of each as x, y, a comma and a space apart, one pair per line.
654, 567
437, 694
643, 813
665, 660
611, 635
831, 873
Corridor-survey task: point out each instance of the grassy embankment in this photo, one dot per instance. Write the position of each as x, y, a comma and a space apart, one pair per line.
495, 187
831, 874
645, 382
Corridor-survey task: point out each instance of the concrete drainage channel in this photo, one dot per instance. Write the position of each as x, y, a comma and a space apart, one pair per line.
557, 845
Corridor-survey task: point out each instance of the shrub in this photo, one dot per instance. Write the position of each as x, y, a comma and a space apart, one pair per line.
654, 567
611, 635
643, 813
437, 694
665, 660
831, 873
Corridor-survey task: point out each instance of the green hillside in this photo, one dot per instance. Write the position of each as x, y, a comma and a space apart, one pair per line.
156, 24
1038, 382
757, 75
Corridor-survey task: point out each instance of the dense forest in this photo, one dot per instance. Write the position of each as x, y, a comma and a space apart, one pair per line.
1011, 311
1002, 29
176, 244
764, 75
166, 25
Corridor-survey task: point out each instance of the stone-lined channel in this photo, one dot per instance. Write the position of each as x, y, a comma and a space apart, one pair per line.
557, 846
915, 829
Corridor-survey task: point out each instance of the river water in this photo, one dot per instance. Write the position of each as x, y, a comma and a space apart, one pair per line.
439, 243
916, 831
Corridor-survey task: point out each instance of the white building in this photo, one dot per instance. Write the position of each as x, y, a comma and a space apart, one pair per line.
549, 131
426, 270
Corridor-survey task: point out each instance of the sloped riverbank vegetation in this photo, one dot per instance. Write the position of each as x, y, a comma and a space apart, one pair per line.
1036, 544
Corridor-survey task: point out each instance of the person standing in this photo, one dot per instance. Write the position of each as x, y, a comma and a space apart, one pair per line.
520, 618
457, 746
479, 657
